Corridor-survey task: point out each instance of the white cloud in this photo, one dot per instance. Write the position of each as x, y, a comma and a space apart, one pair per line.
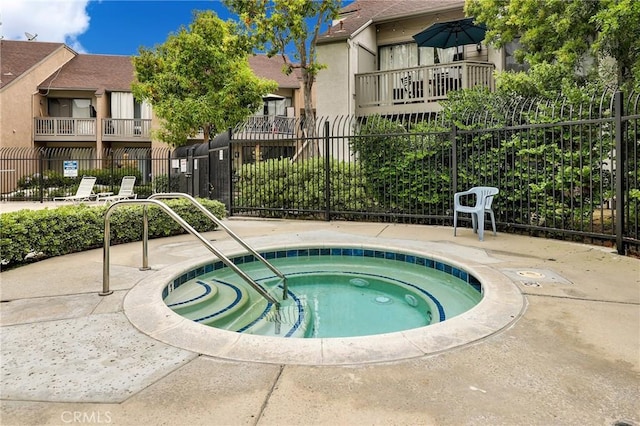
52, 20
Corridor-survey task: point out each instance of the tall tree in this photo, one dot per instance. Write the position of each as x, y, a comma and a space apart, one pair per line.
199, 78
558, 36
274, 25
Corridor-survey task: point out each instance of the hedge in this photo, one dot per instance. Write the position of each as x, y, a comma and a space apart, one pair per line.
29, 235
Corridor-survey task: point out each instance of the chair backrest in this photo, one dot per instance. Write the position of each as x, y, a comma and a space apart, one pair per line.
485, 195
126, 186
86, 186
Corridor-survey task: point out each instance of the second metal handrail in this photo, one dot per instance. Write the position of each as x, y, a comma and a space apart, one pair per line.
187, 227
203, 209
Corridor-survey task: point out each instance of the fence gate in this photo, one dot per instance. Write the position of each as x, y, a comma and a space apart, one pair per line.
219, 175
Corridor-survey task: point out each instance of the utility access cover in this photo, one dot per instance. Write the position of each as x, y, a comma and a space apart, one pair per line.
527, 276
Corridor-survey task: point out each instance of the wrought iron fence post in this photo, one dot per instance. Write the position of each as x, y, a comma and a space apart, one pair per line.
41, 174
112, 178
620, 172
327, 166
168, 189
454, 158
230, 160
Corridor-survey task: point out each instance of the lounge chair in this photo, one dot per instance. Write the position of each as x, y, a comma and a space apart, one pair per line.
484, 197
84, 192
126, 191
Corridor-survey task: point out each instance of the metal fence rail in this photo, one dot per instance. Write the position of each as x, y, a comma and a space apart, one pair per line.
568, 170
40, 174
564, 169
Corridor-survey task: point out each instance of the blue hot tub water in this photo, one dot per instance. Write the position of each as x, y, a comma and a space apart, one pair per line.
333, 292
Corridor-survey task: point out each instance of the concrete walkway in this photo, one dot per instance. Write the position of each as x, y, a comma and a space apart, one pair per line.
70, 356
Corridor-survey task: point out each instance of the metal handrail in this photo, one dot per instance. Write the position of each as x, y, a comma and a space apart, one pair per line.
187, 227
203, 209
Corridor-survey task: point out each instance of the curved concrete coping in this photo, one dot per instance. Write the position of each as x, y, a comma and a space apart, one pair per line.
501, 305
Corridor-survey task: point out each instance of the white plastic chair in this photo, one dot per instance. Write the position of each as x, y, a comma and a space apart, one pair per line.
484, 197
84, 192
126, 191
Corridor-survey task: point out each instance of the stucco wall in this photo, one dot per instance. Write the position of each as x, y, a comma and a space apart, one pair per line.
333, 82
19, 102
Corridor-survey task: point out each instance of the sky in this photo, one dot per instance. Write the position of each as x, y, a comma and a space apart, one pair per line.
110, 27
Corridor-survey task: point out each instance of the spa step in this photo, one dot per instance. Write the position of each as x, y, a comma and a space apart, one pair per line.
294, 321
191, 296
228, 300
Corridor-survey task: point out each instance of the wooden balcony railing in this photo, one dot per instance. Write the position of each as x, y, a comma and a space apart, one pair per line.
49, 128
419, 88
84, 129
126, 128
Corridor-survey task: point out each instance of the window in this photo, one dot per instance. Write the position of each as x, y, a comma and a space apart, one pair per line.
65, 107
276, 107
510, 60
406, 55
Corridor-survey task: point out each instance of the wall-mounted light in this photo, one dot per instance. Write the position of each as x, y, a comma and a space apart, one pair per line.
479, 47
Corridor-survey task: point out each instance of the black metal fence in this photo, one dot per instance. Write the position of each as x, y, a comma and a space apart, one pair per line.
564, 170
40, 174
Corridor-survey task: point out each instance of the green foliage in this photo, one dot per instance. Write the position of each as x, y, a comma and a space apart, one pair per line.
405, 169
161, 183
199, 78
617, 23
549, 174
476, 108
49, 177
56, 185
559, 36
275, 25
300, 185
29, 235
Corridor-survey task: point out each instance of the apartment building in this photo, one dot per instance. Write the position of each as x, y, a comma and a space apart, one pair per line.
375, 66
51, 96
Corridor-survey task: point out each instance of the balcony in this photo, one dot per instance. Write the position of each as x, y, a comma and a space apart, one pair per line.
126, 129
65, 129
68, 129
267, 127
418, 89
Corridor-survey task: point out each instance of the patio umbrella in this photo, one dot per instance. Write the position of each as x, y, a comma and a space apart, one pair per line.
450, 34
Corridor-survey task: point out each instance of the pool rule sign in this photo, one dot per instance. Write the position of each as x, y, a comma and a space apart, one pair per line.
71, 168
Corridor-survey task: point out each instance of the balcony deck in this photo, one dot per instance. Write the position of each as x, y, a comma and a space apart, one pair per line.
418, 89
124, 129
66, 129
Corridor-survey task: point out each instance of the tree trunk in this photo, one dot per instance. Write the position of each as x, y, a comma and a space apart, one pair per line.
309, 123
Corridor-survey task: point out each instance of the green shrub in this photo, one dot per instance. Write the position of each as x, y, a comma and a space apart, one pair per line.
301, 185
29, 235
406, 170
162, 183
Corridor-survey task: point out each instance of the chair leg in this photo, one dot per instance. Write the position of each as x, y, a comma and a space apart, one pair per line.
455, 221
481, 227
493, 222
474, 223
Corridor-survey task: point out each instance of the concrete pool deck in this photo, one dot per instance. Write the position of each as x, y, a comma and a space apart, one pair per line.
70, 356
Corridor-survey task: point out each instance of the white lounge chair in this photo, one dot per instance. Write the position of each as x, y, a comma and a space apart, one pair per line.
84, 192
126, 191
484, 197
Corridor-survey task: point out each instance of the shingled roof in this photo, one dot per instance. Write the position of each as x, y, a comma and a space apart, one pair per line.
104, 73
17, 57
356, 15
271, 68
98, 73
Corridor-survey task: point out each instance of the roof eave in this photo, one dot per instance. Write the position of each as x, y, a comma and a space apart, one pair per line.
414, 15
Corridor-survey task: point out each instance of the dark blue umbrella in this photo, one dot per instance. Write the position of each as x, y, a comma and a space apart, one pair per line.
450, 34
